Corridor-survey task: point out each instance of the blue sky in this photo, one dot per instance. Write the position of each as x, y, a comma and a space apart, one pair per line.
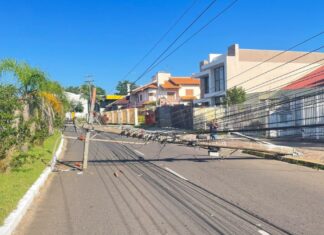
70, 39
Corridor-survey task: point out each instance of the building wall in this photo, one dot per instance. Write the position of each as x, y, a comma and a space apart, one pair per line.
162, 93
145, 97
260, 78
195, 88
75, 98
161, 77
268, 80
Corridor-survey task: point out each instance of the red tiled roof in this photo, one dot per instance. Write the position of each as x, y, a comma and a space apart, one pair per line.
151, 85
169, 85
121, 101
313, 79
185, 81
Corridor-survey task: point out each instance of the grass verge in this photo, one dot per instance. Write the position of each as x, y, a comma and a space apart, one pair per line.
15, 183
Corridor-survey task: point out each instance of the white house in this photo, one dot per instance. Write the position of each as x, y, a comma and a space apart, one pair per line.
76, 98
166, 90
256, 71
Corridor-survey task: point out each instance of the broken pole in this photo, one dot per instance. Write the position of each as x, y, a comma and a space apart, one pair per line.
86, 151
87, 139
249, 145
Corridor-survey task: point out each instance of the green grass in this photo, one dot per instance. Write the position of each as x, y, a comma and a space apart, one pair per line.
15, 183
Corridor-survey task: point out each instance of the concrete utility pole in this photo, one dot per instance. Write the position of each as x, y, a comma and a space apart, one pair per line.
157, 94
89, 81
128, 88
87, 139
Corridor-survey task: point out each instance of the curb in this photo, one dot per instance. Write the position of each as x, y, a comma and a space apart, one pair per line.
12, 221
288, 159
301, 162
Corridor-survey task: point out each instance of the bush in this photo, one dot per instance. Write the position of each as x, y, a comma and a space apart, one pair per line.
9, 119
235, 95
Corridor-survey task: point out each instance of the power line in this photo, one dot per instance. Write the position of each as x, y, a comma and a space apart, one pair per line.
225, 9
263, 106
280, 76
177, 38
279, 66
160, 40
275, 56
156, 63
307, 77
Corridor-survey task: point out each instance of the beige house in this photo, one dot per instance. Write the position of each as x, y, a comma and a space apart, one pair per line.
165, 89
257, 71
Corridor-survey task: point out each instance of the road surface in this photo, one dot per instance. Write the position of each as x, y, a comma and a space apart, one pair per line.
171, 189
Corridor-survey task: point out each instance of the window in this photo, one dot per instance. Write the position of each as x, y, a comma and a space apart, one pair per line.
189, 92
151, 94
219, 79
141, 97
171, 95
206, 85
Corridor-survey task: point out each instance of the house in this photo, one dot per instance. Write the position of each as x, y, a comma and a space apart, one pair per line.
121, 103
257, 71
143, 95
108, 99
300, 103
164, 89
311, 80
75, 99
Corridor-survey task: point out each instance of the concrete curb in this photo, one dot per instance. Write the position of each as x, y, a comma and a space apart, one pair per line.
288, 159
12, 221
302, 162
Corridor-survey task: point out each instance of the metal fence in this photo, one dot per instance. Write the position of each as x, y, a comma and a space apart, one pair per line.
291, 116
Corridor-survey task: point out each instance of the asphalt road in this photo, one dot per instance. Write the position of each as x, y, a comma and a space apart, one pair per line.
171, 189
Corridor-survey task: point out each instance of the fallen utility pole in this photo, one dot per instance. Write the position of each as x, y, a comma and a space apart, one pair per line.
247, 144
87, 138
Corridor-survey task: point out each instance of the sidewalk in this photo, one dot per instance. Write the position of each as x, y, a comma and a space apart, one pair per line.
313, 152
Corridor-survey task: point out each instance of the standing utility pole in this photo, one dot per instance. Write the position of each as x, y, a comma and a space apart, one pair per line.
89, 81
128, 88
87, 139
157, 94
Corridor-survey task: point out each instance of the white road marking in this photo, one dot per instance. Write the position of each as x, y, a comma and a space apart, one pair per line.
138, 152
92, 137
175, 173
262, 232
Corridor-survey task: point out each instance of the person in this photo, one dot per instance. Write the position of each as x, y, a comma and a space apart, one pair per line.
213, 130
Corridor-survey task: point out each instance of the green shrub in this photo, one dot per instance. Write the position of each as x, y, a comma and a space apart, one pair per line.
9, 109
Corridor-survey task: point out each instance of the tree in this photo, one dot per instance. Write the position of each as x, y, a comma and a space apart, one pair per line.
42, 99
76, 107
122, 87
73, 89
29, 110
9, 104
235, 95
85, 91
30, 80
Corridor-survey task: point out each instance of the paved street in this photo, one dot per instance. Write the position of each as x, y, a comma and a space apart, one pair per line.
156, 189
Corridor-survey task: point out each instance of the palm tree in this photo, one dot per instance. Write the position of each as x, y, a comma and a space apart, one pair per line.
30, 80
41, 97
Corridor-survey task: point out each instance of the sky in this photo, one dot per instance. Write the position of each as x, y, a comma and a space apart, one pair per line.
72, 39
